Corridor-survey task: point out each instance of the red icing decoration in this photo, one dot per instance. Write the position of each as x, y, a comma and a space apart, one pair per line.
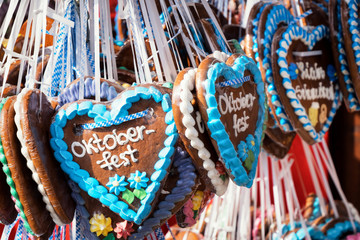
124, 229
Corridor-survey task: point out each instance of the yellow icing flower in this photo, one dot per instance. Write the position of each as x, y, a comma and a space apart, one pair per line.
197, 199
100, 224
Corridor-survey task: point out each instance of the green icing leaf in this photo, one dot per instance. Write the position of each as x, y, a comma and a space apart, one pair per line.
128, 196
140, 193
223, 177
110, 236
249, 160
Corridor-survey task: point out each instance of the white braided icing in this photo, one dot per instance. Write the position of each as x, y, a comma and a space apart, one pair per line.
186, 108
221, 56
29, 162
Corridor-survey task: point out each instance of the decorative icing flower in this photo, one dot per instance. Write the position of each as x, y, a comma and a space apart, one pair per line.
331, 72
242, 150
220, 168
138, 180
250, 140
197, 199
117, 184
293, 71
124, 229
100, 225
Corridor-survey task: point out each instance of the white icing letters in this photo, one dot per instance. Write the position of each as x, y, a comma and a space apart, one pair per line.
110, 142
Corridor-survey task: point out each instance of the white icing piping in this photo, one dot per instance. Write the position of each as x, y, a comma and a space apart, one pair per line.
29, 162
187, 85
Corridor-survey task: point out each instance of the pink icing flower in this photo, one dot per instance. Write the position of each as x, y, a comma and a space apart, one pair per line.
124, 229
190, 221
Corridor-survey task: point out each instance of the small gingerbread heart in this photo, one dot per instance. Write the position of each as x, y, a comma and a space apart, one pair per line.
303, 75
193, 133
231, 101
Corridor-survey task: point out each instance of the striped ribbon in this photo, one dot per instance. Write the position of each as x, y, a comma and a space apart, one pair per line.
159, 234
233, 82
7, 229
19, 231
304, 15
172, 234
61, 49
118, 121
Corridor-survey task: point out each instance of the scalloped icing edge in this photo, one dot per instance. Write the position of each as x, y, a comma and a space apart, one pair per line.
187, 85
278, 14
355, 33
120, 106
319, 33
29, 163
241, 177
11, 183
354, 103
185, 162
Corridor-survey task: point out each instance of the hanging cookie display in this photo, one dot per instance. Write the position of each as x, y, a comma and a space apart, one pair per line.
304, 75
231, 101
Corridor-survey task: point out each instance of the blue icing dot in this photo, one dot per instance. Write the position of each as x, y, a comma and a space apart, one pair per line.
143, 212
101, 118
156, 94
71, 111
169, 117
166, 205
118, 206
56, 131
58, 144
98, 109
104, 90
213, 113
108, 199
153, 187
93, 193
166, 103
63, 156
162, 213
210, 100
162, 164
84, 107
130, 96
166, 152
171, 140
111, 93
143, 92
90, 181
61, 118
171, 129
157, 176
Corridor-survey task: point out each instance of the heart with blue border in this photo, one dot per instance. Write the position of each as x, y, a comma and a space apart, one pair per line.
231, 101
306, 79
119, 152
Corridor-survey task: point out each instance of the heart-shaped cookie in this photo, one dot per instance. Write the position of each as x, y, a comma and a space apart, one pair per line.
24, 189
341, 63
304, 77
193, 133
272, 17
350, 26
101, 147
231, 101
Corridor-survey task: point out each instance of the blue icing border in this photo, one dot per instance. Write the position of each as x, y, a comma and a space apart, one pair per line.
341, 228
186, 181
309, 39
255, 29
354, 25
278, 14
120, 108
353, 101
217, 129
71, 93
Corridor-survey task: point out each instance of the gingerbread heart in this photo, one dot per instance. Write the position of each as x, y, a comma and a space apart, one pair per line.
101, 148
232, 104
340, 60
350, 26
304, 77
192, 132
